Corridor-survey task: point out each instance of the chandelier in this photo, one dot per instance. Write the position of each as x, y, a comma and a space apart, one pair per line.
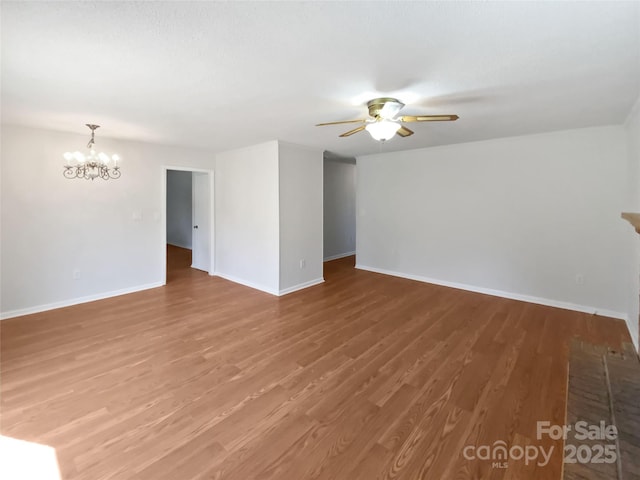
91, 166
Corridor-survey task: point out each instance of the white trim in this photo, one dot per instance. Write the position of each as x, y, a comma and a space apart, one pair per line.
77, 301
271, 291
246, 283
300, 286
340, 255
187, 169
500, 293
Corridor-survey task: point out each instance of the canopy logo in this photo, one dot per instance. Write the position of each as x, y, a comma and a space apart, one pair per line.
601, 446
500, 454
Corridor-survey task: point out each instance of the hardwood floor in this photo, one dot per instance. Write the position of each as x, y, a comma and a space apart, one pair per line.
363, 377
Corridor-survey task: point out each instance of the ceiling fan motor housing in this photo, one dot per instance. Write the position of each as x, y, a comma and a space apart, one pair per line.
384, 107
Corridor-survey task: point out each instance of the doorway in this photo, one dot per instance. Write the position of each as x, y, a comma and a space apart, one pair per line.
339, 207
188, 226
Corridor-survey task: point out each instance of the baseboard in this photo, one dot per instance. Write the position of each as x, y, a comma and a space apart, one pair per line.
76, 301
300, 286
271, 291
635, 336
340, 255
500, 293
246, 283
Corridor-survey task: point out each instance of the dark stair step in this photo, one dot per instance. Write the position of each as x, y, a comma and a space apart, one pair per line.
604, 385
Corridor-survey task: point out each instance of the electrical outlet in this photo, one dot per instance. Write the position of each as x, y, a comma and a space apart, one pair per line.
76, 274
579, 279
303, 263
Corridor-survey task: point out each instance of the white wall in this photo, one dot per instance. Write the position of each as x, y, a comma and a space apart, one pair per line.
300, 170
247, 216
632, 128
112, 233
52, 226
339, 209
517, 216
179, 208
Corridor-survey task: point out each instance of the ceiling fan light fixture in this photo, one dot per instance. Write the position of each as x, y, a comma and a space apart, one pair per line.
383, 122
383, 130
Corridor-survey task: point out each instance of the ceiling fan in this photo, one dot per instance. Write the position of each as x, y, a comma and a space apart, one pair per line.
383, 124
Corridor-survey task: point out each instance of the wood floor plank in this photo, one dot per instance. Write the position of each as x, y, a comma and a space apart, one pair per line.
365, 376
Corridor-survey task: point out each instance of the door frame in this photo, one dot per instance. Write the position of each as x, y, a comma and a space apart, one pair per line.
163, 217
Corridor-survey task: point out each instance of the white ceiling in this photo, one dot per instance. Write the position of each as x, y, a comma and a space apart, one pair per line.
226, 75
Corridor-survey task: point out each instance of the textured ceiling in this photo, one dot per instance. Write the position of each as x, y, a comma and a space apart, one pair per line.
226, 75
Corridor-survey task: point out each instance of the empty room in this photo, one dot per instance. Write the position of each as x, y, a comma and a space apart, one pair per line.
319, 240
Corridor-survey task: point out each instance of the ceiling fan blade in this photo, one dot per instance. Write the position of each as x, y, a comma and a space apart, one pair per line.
404, 131
429, 118
355, 130
362, 120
